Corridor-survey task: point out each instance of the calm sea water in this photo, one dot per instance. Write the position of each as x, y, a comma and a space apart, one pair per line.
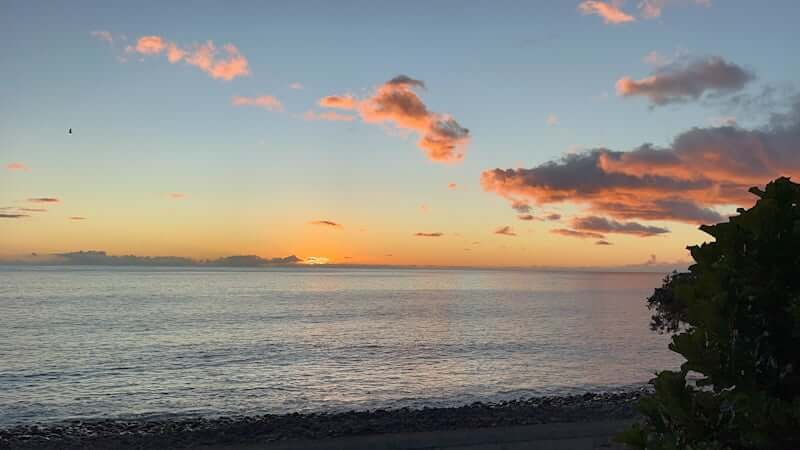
141, 342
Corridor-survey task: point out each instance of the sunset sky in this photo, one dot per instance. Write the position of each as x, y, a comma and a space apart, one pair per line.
510, 133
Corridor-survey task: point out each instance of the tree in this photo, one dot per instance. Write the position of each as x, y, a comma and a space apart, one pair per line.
735, 318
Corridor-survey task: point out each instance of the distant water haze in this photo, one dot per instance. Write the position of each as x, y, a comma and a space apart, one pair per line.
133, 342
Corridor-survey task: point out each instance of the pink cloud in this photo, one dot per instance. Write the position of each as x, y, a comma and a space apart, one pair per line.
267, 102
552, 120
176, 195
150, 45
225, 64
17, 166
295, 86
396, 102
331, 116
609, 11
452, 185
651, 9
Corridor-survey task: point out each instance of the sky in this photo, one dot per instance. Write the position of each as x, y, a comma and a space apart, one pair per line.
553, 133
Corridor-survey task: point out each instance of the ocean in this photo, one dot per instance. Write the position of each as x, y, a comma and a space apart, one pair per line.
146, 343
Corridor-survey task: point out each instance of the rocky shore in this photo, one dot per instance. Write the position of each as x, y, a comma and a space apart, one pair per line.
196, 432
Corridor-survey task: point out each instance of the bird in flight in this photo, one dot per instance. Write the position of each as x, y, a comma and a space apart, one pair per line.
69, 131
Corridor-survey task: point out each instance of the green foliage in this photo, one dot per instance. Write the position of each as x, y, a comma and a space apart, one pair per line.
737, 318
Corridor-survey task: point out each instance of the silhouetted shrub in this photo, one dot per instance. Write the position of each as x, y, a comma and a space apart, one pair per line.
737, 318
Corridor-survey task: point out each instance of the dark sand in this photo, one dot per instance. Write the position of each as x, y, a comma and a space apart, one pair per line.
573, 422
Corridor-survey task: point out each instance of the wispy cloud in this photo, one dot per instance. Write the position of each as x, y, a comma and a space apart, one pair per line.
104, 36
44, 200
506, 231
17, 167
267, 102
452, 185
690, 80
327, 223
423, 234
296, 86
330, 116
13, 216
552, 120
76, 218
609, 11
396, 102
226, 63
176, 195
602, 242
650, 9
577, 234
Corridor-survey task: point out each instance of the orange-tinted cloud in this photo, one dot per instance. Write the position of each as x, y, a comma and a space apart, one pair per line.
603, 242
150, 45
76, 218
225, 64
506, 231
609, 11
327, 223
330, 116
17, 166
176, 195
267, 102
13, 216
44, 200
396, 102
527, 217
703, 169
689, 80
423, 234
452, 185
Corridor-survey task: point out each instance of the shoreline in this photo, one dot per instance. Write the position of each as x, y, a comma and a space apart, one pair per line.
263, 429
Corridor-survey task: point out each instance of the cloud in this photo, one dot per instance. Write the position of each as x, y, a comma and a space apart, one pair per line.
226, 64
326, 223
552, 120
452, 185
602, 242
17, 166
44, 200
609, 11
397, 103
13, 216
104, 36
506, 231
521, 206
267, 102
526, 217
150, 45
689, 80
102, 258
331, 116
577, 234
604, 225
76, 218
295, 86
553, 217
723, 121
176, 195
423, 234
32, 209
650, 9
703, 169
